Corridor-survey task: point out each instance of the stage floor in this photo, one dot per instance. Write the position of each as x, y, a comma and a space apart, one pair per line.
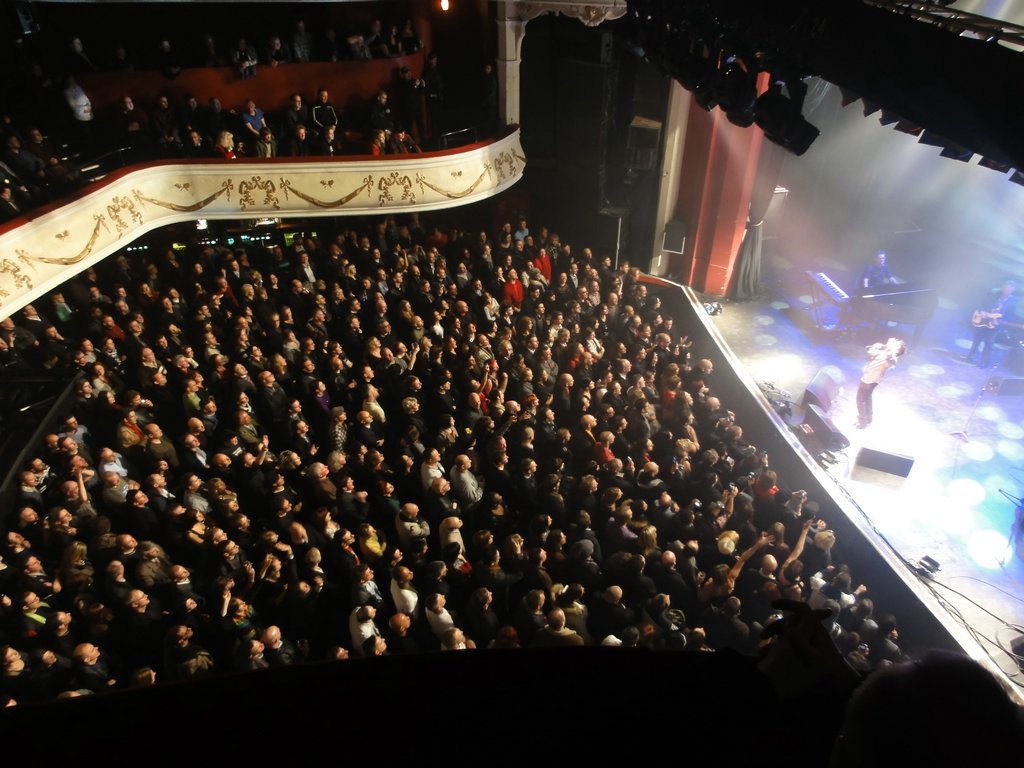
954, 506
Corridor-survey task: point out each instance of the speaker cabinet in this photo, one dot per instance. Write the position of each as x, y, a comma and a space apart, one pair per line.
881, 467
824, 430
674, 240
822, 391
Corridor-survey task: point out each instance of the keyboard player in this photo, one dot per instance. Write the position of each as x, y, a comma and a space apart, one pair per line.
877, 274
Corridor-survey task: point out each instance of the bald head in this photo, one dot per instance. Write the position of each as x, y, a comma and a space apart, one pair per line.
556, 618
271, 636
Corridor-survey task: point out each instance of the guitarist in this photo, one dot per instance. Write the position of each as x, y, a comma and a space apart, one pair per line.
986, 324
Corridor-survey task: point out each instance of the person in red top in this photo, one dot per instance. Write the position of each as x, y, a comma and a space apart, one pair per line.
603, 449
513, 290
379, 144
225, 146
543, 263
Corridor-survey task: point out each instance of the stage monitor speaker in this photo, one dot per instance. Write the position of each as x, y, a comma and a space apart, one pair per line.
1017, 647
826, 432
822, 391
1006, 387
886, 462
674, 240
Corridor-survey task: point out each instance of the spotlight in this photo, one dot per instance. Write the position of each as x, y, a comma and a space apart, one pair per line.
780, 119
1017, 178
931, 565
736, 89
713, 308
202, 224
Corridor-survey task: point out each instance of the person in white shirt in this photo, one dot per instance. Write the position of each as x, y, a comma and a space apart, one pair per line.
438, 618
403, 593
362, 627
465, 485
883, 357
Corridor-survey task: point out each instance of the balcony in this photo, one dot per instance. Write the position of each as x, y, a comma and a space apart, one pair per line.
44, 248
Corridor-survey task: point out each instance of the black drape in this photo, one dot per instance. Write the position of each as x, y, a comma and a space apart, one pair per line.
746, 277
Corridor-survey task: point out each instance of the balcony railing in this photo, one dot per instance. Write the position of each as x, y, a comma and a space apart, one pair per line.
44, 248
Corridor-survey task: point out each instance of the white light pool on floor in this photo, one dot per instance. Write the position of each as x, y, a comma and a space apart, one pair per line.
964, 491
1012, 450
953, 391
987, 548
926, 371
978, 451
953, 518
1010, 430
990, 413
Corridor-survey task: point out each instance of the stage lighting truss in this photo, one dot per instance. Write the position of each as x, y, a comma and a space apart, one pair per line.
956, 21
717, 53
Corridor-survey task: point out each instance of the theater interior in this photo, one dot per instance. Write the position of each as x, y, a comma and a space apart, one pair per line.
749, 160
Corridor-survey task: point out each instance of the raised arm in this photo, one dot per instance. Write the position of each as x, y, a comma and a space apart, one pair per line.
748, 553
799, 548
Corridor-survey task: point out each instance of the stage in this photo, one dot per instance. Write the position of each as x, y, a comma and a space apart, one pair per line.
957, 504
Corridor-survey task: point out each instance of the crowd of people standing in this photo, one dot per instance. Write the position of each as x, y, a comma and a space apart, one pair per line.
397, 438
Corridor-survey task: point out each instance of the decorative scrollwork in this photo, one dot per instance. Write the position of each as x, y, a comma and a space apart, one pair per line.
366, 186
24, 258
19, 278
66, 261
225, 189
591, 15
63, 235
267, 186
184, 187
327, 183
387, 182
501, 161
424, 182
125, 204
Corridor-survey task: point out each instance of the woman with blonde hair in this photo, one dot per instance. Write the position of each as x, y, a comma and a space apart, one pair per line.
648, 542
225, 146
75, 572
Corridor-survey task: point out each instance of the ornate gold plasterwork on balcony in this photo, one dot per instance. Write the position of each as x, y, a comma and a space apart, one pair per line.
53, 245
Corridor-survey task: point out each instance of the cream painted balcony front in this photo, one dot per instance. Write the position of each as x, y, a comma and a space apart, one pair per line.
47, 247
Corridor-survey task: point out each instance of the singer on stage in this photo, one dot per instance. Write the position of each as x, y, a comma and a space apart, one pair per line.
883, 357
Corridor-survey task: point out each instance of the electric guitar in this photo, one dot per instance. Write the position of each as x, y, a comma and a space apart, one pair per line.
983, 319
